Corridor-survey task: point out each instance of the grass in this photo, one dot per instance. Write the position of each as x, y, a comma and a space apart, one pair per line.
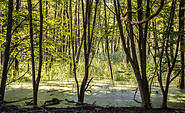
98, 69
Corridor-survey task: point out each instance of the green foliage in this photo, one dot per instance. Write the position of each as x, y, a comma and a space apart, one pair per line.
57, 50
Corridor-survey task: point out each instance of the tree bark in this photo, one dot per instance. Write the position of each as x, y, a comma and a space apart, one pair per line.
32, 52
40, 54
16, 60
87, 44
132, 57
181, 28
7, 50
107, 42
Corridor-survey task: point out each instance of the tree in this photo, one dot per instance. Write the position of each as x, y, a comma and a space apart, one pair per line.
107, 42
34, 80
165, 58
7, 50
138, 67
181, 27
32, 51
88, 38
16, 60
40, 54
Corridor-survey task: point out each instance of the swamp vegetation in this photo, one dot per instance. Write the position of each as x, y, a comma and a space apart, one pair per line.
120, 53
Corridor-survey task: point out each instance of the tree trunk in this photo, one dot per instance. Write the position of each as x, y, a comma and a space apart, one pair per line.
88, 38
82, 88
132, 57
73, 49
164, 102
181, 28
7, 50
16, 67
107, 43
40, 54
32, 52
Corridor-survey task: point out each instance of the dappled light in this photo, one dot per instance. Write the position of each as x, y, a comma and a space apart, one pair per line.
101, 93
92, 56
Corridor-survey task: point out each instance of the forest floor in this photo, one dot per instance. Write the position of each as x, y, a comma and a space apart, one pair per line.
87, 109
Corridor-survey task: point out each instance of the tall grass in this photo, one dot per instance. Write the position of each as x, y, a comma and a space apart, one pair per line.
99, 69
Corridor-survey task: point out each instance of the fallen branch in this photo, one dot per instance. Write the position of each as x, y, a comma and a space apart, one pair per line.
70, 101
54, 101
51, 91
85, 104
29, 103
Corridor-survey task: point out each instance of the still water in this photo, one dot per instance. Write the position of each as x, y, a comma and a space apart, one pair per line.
101, 92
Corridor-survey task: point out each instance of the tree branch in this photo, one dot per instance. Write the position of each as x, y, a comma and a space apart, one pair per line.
88, 83
134, 98
129, 11
110, 9
175, 75
17, 78
147, 19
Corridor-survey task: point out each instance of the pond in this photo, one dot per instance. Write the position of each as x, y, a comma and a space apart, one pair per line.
102, 93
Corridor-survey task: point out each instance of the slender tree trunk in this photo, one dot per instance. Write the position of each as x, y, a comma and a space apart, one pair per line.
2, 54
78, 22
167, 48
164, 100
107, 43
7, 50
73, 49
87, 44
16, 60
32, 52
181, 28
40, 54
1, 57
46, 37
132, 57
143, 57
76, 30
82, 89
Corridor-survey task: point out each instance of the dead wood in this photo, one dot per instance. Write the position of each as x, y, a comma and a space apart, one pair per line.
54, 101
85, 104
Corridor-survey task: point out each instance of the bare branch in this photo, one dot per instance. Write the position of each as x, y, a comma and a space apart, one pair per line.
26, 18
134, 98
129, 11
88, 83
110, 9
175, 75
147, 19
17, 79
